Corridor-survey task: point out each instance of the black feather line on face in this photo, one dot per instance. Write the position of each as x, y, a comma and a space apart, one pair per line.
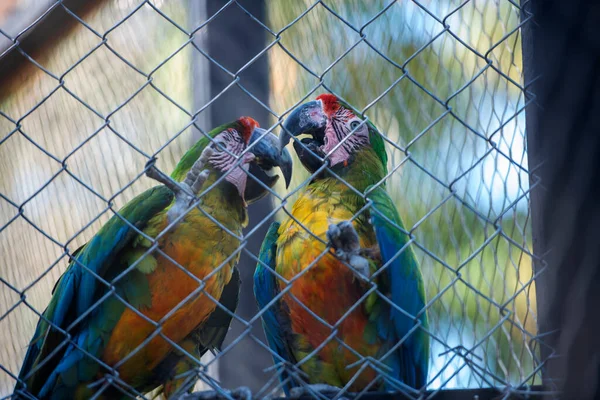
231, 141
339, 123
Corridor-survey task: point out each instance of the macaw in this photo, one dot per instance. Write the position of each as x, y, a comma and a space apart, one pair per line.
325, 324
120, 297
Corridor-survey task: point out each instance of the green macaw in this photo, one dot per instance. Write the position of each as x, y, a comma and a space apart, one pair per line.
323, 321
120, 298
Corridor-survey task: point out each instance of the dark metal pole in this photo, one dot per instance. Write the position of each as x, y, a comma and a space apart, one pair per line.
233, 40
561, 49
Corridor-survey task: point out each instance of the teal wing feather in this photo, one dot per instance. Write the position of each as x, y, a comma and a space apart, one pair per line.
275, 319
404, 282
78, 289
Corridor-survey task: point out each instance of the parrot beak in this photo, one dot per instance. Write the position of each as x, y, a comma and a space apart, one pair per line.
268, 155
309, 118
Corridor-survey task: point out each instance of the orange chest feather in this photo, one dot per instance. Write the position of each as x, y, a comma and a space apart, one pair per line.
194, 264
326, 299
326, 286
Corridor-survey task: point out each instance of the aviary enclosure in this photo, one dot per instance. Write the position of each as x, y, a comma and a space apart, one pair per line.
104, 87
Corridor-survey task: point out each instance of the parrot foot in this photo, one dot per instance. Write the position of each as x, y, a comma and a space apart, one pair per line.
344, 240
197, 175
310, 390
185, 192
179, 189
241, 393
194, 179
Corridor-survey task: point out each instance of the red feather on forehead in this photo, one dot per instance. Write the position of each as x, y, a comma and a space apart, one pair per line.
248, 125
330, 103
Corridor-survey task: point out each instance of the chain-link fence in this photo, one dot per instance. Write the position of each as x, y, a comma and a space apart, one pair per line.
129, 82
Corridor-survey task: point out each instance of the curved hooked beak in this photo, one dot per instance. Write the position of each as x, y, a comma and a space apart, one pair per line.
268, 154
308, 118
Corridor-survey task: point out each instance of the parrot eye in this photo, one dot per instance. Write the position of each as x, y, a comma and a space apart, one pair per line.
354, 124
217, 146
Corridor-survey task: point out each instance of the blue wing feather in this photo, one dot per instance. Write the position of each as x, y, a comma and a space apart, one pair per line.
405, 284
75, 292
275, 321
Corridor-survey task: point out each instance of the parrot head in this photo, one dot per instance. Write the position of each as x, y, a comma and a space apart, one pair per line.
222, 149
336, 130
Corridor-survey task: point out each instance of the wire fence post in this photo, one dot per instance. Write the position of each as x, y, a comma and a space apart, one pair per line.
561, 72
232, 44
536, 196
201, 95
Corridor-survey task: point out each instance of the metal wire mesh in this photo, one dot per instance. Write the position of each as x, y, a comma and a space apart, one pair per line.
441, 80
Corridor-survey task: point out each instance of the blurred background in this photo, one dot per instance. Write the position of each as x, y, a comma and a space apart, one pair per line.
96, 88
441, 108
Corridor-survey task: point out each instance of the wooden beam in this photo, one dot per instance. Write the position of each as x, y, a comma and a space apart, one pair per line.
43, 35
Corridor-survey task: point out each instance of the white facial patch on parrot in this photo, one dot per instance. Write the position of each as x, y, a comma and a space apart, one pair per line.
222, 160
345, 128
226, 161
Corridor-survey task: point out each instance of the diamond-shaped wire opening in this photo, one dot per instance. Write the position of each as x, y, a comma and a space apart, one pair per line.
38, 85
319, 20
479, 32
64, 56
146, 52
492, 30
60, 112
287, 76
142, 131
65, 207
25, 177
170, 79
449, 319
114, 159
465, 232
96, 72
49, 63
518, 368
227, 75
497, 182
500, 102
409, 20
350, 71
503, 276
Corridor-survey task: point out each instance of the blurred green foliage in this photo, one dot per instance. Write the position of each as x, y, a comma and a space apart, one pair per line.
443, 109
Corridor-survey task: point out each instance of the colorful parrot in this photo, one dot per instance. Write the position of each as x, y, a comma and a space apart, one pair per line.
106, 308
320, 312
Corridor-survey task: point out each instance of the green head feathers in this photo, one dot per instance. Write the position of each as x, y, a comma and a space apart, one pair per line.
332, 103
244, 125
376, 139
